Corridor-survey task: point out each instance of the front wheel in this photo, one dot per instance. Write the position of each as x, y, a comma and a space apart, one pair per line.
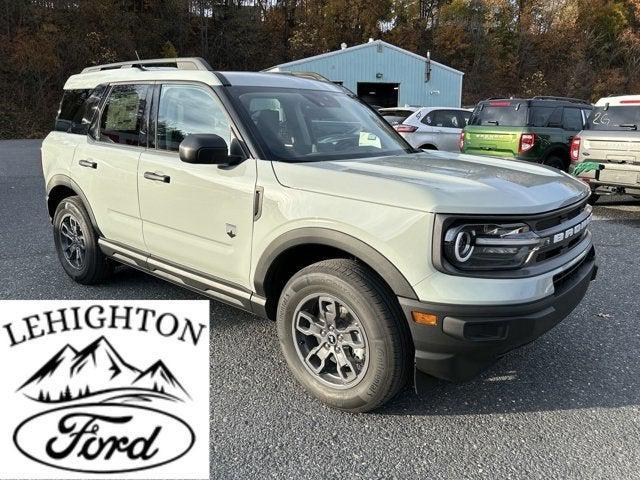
343, 335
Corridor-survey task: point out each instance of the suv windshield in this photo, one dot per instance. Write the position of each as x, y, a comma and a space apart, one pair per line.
500, 113
614, 118
313, 125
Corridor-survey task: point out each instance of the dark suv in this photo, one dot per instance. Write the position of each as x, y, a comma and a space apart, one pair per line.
538, 130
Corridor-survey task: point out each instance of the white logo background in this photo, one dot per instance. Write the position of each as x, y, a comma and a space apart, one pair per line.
160, 364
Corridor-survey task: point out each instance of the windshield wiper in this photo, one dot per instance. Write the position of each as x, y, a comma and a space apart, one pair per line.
632, 126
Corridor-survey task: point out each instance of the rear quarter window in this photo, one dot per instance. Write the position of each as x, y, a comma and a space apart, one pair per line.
78, 109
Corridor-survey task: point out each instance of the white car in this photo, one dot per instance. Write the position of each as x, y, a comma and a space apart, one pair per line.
434, 128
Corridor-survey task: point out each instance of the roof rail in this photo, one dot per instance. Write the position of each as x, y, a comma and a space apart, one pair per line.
562, 99
184, 63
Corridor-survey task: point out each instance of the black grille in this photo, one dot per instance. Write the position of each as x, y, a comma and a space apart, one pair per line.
559, 222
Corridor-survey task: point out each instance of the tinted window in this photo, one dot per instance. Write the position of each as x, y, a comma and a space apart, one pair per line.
395, 117
572, 119
464, 118
123, 115
77, 109
614, 118
187, 109
555, 119
308, 125
500, 113
539, 116
442, 118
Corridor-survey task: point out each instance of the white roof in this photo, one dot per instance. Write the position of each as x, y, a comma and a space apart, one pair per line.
619, 100
93, 79
356, 47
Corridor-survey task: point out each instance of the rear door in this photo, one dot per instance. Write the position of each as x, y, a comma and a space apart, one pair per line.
443, 129
108, 163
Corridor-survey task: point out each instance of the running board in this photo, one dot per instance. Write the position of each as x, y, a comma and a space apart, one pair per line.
196, 281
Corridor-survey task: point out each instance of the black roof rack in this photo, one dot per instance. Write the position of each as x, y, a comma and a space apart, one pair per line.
184, 63
561, 99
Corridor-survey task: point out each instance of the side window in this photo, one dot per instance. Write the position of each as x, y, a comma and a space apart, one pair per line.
445, 119
187, 109
442, 118
123, 115
540, 116
572, 119
555, 119
77, 109
463, 118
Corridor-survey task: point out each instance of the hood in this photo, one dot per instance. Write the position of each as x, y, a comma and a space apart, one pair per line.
439, 182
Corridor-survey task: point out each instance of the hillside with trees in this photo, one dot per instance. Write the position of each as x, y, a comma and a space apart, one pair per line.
582, 48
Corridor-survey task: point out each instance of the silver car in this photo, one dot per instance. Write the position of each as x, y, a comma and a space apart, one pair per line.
435, 128
612, 141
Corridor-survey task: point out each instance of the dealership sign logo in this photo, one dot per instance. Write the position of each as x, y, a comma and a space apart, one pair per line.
121, 436
99, 412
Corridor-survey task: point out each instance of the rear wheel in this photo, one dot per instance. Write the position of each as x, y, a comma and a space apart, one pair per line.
556, 162
343, 336
77, 243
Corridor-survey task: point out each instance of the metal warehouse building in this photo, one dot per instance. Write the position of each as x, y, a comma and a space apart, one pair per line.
385, 75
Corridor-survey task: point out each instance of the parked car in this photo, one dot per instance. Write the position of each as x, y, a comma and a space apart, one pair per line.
434, 128
612, 140
396, 115
286, 197
539, 129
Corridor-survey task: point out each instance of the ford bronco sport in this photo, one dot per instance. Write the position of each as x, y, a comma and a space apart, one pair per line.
289, 198
611, 139
537, 130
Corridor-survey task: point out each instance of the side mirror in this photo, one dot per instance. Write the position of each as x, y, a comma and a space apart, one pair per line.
206, 148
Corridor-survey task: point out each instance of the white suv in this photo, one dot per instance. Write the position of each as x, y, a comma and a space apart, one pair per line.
435, 128
290, 198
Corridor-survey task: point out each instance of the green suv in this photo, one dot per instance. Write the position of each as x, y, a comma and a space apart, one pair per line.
538, 130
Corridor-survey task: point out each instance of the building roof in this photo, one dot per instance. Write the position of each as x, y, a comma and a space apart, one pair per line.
363, 45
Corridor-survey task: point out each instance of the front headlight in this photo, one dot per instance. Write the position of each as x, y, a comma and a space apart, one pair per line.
490, 246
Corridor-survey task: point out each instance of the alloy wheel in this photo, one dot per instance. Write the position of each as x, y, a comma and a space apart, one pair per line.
330, 340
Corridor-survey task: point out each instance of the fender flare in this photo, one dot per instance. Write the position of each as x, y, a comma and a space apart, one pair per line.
336, 239
60, 180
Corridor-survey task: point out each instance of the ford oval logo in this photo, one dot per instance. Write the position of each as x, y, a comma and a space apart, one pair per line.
104, 438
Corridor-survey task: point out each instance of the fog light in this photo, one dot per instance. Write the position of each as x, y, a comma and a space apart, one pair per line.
424, 318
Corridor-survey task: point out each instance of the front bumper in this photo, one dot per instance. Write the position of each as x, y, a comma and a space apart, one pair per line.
467, 338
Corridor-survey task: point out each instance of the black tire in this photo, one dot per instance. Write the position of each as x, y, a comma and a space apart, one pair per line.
556, 162
94, 267
593, 198
389, 351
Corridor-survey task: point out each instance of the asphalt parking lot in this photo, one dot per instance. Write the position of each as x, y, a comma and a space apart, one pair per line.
566, 406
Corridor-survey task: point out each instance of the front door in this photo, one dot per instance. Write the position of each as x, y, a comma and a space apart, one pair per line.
196, 216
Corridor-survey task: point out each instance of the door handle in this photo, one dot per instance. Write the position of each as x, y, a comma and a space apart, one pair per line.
157, 177
88, 163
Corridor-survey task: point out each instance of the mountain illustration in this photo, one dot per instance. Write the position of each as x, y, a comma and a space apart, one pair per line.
98, 368
159, 379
